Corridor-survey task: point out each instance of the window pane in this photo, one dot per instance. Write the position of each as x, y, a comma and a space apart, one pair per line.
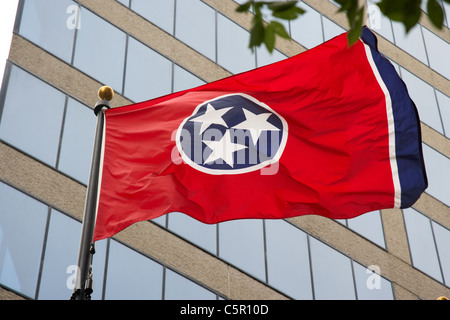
22, 226
148, 75
307, 29
447, 13
241, 244
423, 96
131, 275
421, 243
371, 286
332, 273
183, 79
411, 42
442, 236
288, 259
180, 288
32, 121
77, 141
125, 2
60, 261
438, 173
100, 50
331, 29
200, 34
369, 226
232, 46
264, 57
61, 252
379, 22
444, 108
203, 235
51, 24
438, 52
159, 12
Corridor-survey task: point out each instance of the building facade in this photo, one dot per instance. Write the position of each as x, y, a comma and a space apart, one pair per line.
63, 51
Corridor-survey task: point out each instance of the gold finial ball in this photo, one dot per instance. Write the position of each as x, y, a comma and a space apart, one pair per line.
442, 298
106, 93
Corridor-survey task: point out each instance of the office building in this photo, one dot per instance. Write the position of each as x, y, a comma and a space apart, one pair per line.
63, 51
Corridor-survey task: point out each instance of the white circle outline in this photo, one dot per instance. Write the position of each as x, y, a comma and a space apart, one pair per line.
258, 166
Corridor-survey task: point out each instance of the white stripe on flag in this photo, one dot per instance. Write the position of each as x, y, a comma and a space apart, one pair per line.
391, 128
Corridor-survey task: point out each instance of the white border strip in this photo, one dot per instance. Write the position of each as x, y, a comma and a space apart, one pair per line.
391, 128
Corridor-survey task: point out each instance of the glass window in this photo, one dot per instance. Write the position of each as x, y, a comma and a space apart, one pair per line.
444, 107
264, 57
183, 79
148, 74
332, 273
442, 236
447, 13
22, 227
241, 244
180, 288
203, 235
438, 173
161, 13
124, 2
410, 42
268, 16
60, 260
131, 275
77, 141
161, 220
233, 52
379, 22
423, 96
51, 25
200, 34
307, 29
369, 225
61, 252
438, 51
421, 243
288, 259
331, 29
32, 121
100, 50
371, 285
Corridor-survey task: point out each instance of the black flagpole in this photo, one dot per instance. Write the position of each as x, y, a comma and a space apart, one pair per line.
83, 282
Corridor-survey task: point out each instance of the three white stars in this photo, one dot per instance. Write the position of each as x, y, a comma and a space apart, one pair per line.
224, 148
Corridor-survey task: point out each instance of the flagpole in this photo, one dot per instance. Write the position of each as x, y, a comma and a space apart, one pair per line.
83, 282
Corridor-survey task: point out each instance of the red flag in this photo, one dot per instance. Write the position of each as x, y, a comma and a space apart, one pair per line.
331, 131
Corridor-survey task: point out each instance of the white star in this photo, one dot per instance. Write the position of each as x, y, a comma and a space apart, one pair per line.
211, 116
256, 123
223, 149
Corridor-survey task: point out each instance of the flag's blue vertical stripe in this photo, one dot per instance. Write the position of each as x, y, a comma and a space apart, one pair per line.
408, 142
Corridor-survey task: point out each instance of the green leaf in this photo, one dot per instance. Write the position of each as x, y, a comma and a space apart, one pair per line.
405, 11
355, 26
288, 14
347, 5
355, 16
256, 33
279, 29
269, 37
435, 13
244, 7
281, 5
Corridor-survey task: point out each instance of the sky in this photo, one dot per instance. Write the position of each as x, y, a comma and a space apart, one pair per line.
7, 16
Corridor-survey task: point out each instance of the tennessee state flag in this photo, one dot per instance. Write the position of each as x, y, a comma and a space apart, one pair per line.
331, 131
